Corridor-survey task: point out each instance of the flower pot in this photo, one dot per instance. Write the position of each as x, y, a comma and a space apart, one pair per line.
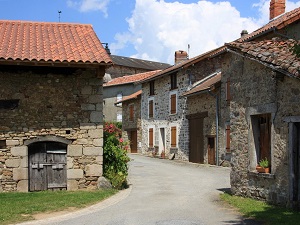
261, 169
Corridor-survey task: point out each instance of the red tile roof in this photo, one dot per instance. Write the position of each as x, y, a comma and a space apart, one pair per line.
275, 53
131, 78
204, 84
277, 24
130, 97
186, 63
50, 42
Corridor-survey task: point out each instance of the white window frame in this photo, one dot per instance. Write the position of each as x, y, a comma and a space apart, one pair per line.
172, 93
119, 98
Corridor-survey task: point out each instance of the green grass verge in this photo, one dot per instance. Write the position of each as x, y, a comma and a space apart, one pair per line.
262, 211
19, 207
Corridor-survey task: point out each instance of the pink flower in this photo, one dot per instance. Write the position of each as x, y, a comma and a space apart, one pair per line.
121, 140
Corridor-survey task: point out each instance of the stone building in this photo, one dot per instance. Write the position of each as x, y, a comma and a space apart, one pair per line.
131, 124
119, 83
166, 114
264, 111
51, 130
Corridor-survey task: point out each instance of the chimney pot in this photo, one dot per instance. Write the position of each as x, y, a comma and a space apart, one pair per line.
243, 33
277, 7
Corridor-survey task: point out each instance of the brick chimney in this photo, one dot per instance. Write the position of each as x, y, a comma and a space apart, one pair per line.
277, 7
180, 56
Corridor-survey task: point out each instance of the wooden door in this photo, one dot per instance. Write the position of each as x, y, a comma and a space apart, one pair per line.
47, 166
196, 140
133, 141
211, 152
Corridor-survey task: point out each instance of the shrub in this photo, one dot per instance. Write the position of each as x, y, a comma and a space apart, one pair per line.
115, 157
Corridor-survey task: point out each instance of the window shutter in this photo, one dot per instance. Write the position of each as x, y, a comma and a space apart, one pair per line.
151, 109
151, 137
227, 138
131, 112
173, 104
173, 137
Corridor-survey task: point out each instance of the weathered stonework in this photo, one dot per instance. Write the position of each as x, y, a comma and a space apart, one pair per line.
162, 117
263, 92
54, 105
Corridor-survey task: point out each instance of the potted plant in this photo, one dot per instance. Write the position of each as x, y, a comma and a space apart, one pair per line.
163, 154
263, 166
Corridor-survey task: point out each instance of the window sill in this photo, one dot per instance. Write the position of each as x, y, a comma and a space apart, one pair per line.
264, 175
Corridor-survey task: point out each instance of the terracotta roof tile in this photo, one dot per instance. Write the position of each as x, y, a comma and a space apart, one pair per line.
276, 53
130, 97
204, 84
131, 78
277, 23
50, 42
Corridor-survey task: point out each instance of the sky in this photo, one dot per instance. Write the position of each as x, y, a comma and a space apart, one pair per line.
151, 29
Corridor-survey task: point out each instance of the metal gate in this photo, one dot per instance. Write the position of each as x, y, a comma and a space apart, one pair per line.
47, 166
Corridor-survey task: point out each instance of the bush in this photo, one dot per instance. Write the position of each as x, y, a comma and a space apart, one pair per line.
115, 157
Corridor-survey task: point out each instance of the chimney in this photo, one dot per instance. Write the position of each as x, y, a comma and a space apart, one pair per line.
243, 33
180, 56
277, 7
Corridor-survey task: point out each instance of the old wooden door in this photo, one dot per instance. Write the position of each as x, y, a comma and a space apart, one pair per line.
133, 141
47, 166
196, 140
211, 150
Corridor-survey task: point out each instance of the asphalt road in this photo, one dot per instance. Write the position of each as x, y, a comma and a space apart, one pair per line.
162, 192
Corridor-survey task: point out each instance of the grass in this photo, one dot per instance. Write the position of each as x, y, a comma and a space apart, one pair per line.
19, 207
262, 211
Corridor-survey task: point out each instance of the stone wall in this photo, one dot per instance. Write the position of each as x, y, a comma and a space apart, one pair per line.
162, 118
53, 104
128, 126
256, 90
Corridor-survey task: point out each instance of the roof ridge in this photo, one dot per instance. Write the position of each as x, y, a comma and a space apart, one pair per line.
45, 22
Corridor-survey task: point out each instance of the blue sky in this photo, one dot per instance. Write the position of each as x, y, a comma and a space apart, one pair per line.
151, 29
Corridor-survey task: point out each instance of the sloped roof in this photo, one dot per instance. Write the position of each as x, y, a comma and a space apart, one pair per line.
50, 42
130, 97
277, 23
138, 63
204, 84
186, 63
130, 78
275, 53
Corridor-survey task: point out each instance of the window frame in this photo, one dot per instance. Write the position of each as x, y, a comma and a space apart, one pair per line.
153, 108
152, 88
173, 81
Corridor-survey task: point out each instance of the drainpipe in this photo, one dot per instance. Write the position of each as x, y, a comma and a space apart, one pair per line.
217, 125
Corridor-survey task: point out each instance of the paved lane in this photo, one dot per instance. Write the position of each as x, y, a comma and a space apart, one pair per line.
163, 192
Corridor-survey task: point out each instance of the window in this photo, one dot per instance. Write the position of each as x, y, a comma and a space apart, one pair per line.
261, 125
173, 81
174, 137
228, 97
227, 134
151, 108
9, 104
152, 88
173, 102
151, 137
119, 98
119, 117
131, 112
2, 144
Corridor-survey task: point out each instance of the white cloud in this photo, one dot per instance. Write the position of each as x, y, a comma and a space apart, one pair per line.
157, 28
90, 5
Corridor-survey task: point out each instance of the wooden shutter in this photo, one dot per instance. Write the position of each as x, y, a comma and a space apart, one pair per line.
227, 138
228, 97
151, 109
173, 104
173, 137
131, 112
151, 137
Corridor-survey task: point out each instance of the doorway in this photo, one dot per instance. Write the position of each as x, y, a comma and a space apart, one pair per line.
133, 141
211, 150
196, 140
162, 140
47, 163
